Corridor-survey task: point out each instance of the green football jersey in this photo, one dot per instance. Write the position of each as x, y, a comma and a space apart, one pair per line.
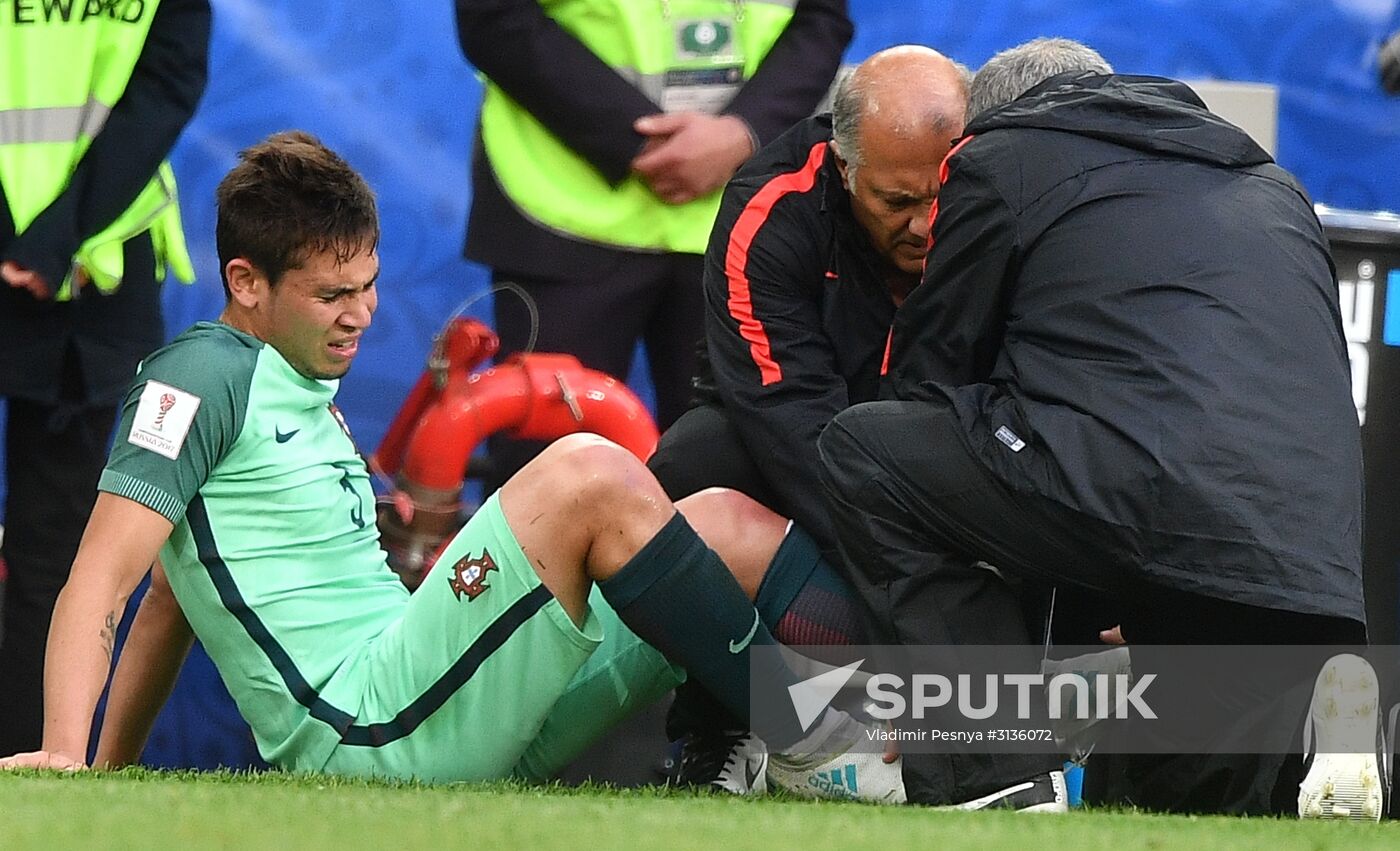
275, 557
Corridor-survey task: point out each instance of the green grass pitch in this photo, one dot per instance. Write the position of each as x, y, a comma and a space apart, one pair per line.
154, 810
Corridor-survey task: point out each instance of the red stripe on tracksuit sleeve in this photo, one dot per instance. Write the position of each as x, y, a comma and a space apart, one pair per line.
736, 258
885, 364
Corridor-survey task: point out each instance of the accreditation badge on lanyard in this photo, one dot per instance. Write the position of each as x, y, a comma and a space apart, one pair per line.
707, 63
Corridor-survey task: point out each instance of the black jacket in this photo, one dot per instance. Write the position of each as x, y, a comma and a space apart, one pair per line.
106, 335
1129, 285
591, 109
797, 313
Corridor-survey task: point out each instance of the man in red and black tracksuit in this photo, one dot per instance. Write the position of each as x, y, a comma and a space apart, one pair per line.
798, 310
819, 238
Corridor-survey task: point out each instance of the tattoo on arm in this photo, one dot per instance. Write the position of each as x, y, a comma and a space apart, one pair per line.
109, 635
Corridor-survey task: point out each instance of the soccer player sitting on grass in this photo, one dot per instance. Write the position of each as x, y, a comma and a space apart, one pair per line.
552, 614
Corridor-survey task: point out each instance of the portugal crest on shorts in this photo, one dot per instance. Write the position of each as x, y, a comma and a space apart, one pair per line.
469, 575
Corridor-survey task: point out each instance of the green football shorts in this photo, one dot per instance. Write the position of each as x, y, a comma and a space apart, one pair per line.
485, 676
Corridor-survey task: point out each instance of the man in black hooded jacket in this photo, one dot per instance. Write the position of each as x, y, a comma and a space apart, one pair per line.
1124, 372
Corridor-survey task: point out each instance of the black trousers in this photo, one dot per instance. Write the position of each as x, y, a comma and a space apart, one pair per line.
703, 450
1260, 700
653, 298
914, 512
914, 509
54, 456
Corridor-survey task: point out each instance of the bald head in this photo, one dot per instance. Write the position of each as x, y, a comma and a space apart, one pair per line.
894, 120
906, 93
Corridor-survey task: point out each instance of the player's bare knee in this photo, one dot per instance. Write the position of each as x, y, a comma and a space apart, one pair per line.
604, 493
592, 475
719, 515
743, 532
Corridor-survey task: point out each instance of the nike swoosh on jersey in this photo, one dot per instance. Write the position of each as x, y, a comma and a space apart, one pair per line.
283, 437
738, 647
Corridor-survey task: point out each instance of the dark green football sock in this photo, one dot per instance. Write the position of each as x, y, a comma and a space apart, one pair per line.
678, 596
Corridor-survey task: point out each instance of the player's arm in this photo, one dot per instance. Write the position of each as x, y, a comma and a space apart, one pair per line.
949, 329
775, 368
120, 542
178, 422
155, 649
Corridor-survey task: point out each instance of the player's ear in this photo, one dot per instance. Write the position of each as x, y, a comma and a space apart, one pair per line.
246, 283
841, 165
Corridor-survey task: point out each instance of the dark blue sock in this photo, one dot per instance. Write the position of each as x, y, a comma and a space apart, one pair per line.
804, 601
678, 596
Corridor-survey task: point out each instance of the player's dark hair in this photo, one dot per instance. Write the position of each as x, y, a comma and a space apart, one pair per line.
288, 198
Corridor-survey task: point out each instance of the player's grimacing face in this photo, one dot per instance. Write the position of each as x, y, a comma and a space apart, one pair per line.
318, 311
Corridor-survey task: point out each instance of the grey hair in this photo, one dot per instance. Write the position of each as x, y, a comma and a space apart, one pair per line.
853, 99
1017, 70
845, 116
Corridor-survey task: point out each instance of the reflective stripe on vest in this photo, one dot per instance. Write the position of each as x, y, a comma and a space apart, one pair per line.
48, 121
555, 187
52, 123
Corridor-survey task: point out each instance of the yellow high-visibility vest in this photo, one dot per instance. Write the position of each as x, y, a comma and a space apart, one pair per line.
663, 47
65, 64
